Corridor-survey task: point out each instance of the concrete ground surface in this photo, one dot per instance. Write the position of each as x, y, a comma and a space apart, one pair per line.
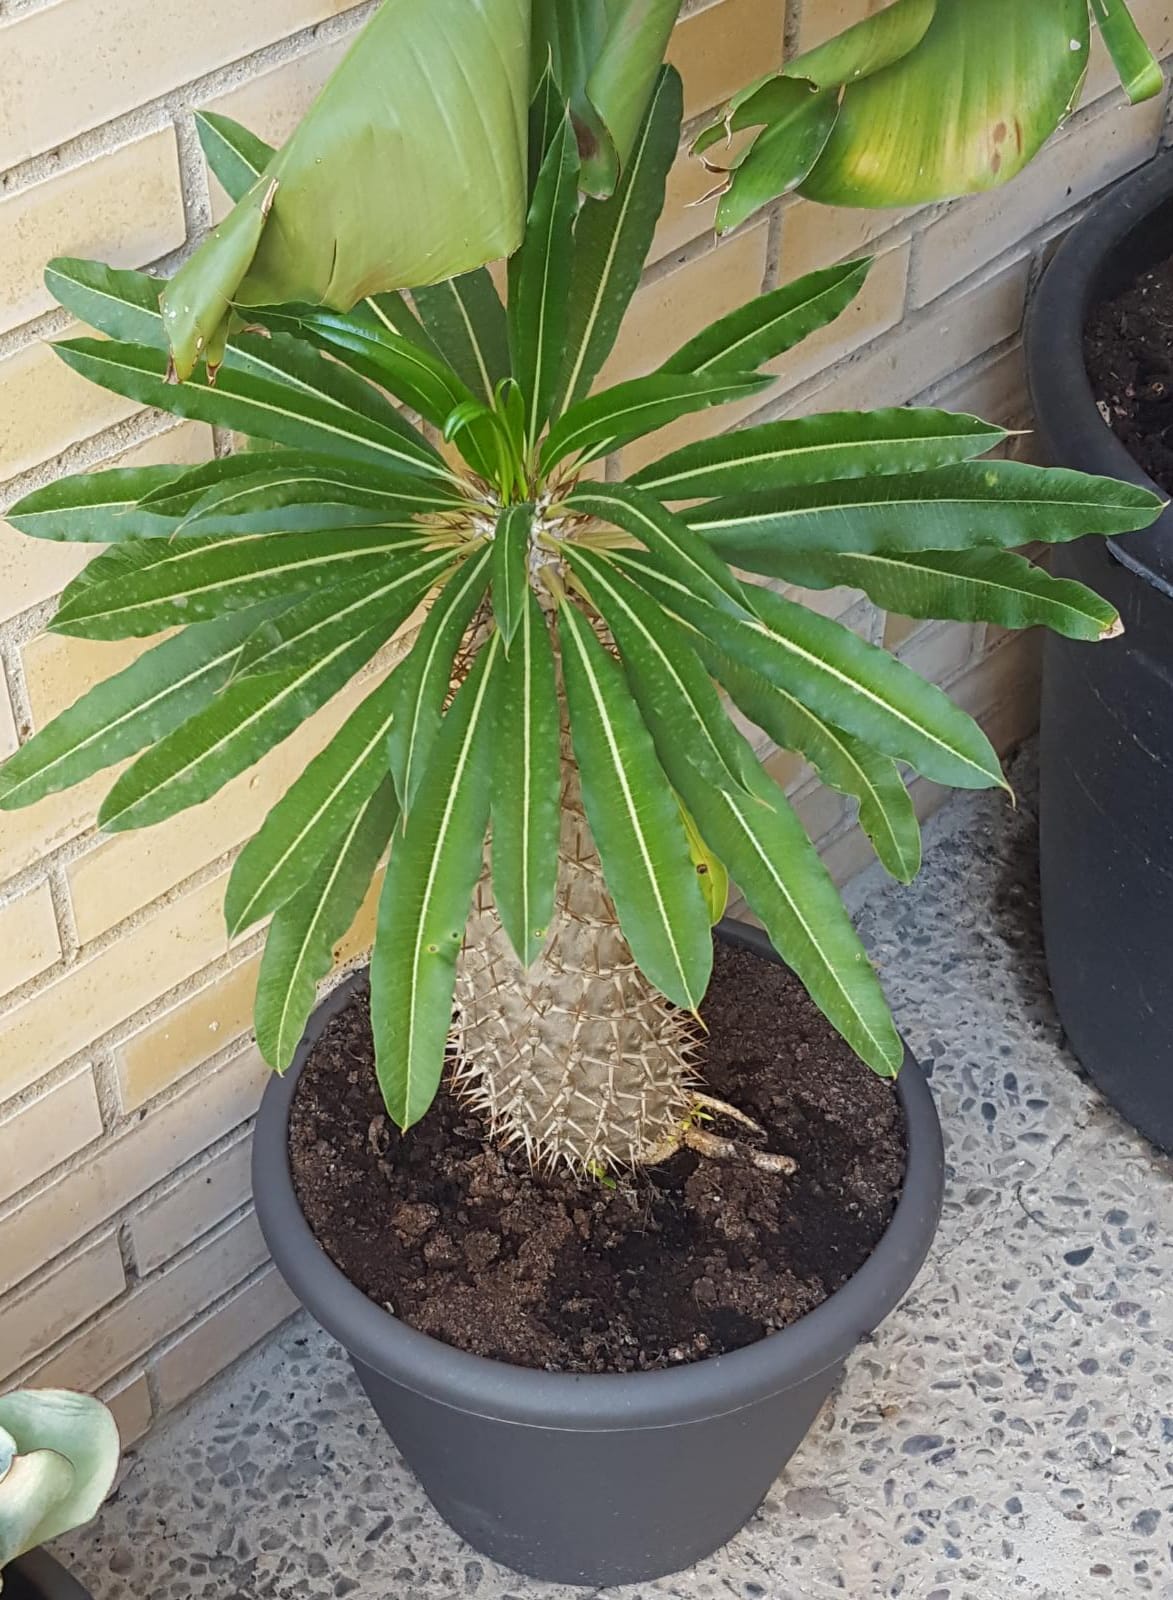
1009, 1432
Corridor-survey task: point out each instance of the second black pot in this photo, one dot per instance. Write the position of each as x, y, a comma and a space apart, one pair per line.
1106, 749
597, 1480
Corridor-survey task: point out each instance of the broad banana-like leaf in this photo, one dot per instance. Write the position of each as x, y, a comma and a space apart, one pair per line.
58, 1456
937, 98
606, 56
427, 112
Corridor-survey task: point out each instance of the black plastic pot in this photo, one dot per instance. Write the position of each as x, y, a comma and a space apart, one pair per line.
1107, 720
38, 1577
608, 1479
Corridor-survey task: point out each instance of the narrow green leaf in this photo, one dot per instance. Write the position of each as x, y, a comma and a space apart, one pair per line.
466, 320
130, 710
424, 678
674, 692
832, 446
320, 807
526, 785
1000, 503
243, 722
1139, 70
236, 156
139, 588
635, 821
299, 950
615, 416
123, 305
539, 281
683, 554
312, 627
298, 494
852, 684
435, 864
180, 498
326, 409
981, 585
846, 764
611, 242
766, 850
511, 552
773, 323
102, 507
782, 156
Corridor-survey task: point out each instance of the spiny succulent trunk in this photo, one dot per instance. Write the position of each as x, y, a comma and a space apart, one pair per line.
579, 1059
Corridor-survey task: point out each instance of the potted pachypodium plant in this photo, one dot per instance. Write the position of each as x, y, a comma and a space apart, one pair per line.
58, 1456
564, 695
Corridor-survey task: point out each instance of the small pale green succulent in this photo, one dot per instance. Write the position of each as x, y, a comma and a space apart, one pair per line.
58, 1455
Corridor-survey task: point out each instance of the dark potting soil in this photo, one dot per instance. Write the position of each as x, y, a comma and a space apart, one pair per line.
1128, 348
681, 1261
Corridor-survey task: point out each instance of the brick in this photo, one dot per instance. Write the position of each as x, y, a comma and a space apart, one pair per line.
897, 629
58, 669
996, 391
191, 1208
272, 104
48, 1131
823, 19
124, 1168
44, 408
930, 347
356, 943
784, 766
131, 1405
9, 738
1071, 168
28, 938
848, 855
128, 872
671, 309
105, 57
720, 49
821, 810
97, 994
187, 1034
27, 836
231, 1330
878, 307
61, 1302
156, 1310
940, 653
124, 208
815, 236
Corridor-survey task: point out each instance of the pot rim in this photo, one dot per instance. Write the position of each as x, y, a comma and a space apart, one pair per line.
1064, 402
606, 1401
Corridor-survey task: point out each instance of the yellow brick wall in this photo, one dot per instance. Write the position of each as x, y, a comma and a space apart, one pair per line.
129, 1258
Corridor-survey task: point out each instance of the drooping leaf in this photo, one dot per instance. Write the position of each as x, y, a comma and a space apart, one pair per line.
868, 47
435, 863
313, 814
635, 820
767, 852
832, 446
1000, 503
773, 323
466, 320
710, 870
673, 690
615, 416
1139, 70
783, 154
308, 403
886, 811
243, 722
80, 1434
539, 282
299, 948
526, 785
839, 676
964, 111
981, 585
422, 681
139, 588
102, 507
127, 711
611, 242
683, 553
434, 92
511, 554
